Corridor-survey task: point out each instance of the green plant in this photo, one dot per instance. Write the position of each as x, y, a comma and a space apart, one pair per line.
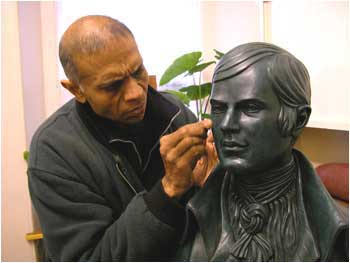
191, 64
26, 156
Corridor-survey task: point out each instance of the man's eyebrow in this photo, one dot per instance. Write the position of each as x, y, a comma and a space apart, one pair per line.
136, 68
109, 83
118, 78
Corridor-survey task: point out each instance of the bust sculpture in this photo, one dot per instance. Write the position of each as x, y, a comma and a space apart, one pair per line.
264, 201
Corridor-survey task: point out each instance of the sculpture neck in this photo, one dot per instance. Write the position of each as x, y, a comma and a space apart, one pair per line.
268, 185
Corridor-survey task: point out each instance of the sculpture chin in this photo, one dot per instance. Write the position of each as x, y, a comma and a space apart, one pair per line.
247, 167
236, 166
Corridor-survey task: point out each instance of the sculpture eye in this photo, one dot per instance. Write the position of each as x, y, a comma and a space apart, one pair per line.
251, 107
217, 108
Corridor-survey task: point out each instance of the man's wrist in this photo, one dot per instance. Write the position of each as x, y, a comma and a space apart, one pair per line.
167, 210
172, 190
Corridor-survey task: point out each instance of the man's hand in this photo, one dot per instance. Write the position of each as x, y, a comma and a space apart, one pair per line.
206, 163
180, 152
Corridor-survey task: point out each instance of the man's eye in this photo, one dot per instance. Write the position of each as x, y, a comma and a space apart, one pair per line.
139, 72
114, 86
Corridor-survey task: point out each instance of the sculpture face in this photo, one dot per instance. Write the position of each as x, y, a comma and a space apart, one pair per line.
245, 111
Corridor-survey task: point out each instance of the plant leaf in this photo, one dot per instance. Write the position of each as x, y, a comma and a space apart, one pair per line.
206, 116
193, 91
182, 96
26, 155
200, 67
179, 66
218, 54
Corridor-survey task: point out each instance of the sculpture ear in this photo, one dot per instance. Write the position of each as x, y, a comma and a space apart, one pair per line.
303, 115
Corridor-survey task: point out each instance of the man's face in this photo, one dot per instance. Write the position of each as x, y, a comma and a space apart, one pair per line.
244, 112
115, 82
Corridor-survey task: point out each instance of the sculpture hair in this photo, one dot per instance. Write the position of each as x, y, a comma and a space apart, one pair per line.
290, 78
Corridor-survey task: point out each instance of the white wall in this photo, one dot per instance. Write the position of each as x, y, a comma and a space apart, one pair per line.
15, 203
318, 33
226, 24
164, 30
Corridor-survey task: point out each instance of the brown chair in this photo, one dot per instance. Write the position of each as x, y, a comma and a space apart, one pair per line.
335, 177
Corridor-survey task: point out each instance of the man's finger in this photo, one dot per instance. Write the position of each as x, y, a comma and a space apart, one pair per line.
193, 154
182, 147
210, 138
198, 129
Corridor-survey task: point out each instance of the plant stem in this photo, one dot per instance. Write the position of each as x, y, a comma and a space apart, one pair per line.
206, 104
194, 83
200, 95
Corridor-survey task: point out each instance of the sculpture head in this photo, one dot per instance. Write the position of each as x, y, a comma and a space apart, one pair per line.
260, 103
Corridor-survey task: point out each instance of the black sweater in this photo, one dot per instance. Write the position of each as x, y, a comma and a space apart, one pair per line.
94, 203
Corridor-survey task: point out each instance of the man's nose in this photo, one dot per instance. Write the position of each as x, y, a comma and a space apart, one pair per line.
132, 89
231, 120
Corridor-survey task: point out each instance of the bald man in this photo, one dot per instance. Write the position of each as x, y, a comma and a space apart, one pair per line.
110, 171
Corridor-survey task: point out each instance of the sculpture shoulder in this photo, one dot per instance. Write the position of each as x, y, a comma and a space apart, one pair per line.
340, 249
329, 221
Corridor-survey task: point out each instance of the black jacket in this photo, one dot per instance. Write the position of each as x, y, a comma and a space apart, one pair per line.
91, 204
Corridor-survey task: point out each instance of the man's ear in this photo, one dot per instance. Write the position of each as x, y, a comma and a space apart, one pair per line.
303, 115
74, 89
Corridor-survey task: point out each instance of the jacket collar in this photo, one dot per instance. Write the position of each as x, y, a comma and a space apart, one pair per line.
159, 112
320, 211
159, 115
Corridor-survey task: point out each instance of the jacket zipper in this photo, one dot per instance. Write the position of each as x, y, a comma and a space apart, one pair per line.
125, 179
133, 145
154, 146
149, 155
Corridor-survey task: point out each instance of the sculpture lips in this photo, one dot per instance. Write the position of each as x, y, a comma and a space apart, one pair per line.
233, 146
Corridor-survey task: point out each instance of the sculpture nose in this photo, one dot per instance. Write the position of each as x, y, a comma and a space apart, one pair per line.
230, 122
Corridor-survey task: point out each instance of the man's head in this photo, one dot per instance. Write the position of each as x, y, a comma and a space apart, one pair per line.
104, 68
260, 103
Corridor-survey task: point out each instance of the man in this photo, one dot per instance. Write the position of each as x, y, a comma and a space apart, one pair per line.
110, 170
264, 202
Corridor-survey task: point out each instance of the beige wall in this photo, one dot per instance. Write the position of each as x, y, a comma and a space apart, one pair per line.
324, 145
31, 65
30, 93
15, 202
